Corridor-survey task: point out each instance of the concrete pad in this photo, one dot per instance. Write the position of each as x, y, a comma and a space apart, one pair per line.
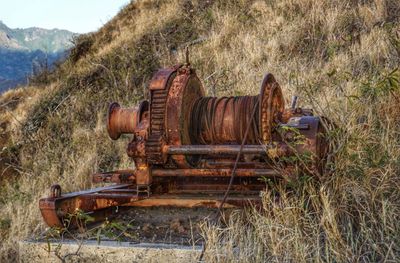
106, 251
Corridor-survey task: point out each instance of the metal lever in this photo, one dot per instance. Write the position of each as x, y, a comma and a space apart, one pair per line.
293, 104
187, 62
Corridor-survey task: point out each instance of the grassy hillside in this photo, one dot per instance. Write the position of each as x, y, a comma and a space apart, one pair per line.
340, 57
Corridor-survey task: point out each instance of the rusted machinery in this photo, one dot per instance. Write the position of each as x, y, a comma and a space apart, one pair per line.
191, 150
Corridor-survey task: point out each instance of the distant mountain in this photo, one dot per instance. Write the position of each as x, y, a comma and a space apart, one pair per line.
24, 51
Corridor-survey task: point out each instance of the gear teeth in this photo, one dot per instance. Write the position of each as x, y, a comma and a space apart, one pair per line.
157, 126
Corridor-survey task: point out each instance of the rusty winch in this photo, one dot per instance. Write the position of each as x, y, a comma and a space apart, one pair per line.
191, 150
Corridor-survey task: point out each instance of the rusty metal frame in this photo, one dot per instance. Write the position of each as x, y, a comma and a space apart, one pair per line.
173, 168
99, 202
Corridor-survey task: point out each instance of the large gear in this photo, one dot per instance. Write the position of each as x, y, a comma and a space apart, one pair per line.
159, 87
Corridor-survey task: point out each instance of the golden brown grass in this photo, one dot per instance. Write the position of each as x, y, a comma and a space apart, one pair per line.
337, 55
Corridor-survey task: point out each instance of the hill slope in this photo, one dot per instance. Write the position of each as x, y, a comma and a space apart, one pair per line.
34, 38
339, 56
22, 51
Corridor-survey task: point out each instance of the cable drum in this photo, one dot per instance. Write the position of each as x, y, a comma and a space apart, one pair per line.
224, 120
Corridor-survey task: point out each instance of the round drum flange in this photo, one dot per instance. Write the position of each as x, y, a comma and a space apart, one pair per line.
271, 108
184, 91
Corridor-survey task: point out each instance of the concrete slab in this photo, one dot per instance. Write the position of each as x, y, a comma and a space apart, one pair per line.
106, 251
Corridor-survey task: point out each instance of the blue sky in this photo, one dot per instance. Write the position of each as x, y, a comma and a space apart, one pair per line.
80, 16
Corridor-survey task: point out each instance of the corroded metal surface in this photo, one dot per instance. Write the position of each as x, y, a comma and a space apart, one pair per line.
124, 121
158, 88
272, 107
187, 148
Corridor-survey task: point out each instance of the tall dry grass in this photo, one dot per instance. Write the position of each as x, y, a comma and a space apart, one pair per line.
337, 55
351, 215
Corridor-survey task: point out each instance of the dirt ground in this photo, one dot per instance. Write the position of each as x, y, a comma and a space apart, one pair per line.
165, 225
171, 225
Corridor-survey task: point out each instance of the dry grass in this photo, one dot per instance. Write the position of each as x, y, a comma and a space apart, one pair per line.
351, 216
337, 55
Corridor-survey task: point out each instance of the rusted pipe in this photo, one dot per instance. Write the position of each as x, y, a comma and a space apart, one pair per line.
215, 172
215, 149
215, 164
278, 150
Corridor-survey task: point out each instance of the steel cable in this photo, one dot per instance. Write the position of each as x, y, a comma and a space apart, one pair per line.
232, 177
211, 116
